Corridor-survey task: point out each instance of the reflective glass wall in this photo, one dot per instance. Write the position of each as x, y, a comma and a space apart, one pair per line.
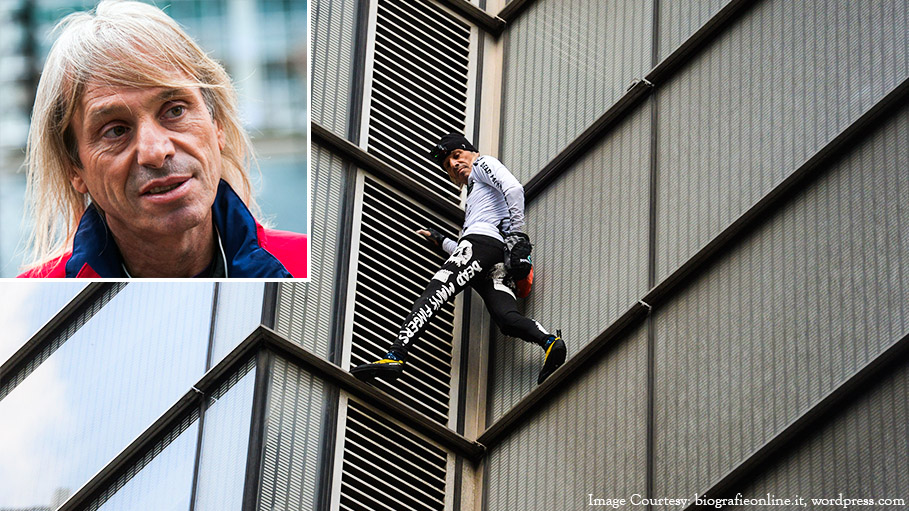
119, 364
27, 306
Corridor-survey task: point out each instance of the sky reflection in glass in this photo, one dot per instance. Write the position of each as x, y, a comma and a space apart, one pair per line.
101, 389
26, 305
225, 443
239, 313
165, 484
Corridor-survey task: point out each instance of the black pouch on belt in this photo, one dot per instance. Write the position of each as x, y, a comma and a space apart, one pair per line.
517, 255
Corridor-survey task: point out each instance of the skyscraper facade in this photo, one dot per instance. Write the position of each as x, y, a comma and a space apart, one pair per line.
712, 188
715, 191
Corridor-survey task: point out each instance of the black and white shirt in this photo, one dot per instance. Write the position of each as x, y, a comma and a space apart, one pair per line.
494, 198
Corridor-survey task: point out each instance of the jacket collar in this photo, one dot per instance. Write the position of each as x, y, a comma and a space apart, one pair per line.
245, 258
95, 254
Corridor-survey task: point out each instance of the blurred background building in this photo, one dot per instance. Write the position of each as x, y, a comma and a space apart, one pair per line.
261, 43
716, 190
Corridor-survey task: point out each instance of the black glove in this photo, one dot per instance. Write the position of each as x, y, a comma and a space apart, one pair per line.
517, 255
436, 236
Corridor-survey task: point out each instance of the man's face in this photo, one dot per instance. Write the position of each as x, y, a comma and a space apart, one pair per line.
458, 164
151, 157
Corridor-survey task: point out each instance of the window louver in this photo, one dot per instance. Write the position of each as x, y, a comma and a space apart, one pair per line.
394, 267
419, 87
386, 467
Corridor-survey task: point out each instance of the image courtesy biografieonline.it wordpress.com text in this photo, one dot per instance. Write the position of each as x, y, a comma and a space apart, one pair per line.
840, 501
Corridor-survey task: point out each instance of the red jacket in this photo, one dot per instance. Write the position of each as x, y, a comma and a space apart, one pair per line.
251, 250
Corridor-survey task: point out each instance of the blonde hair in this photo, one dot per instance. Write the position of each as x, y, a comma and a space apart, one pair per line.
127, 44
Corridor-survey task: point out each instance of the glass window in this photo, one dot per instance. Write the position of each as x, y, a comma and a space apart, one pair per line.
25, 307
239, 313
104, 386
165, 483
225, 442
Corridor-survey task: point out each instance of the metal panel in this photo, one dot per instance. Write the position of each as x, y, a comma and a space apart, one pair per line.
420, 89
292, 439
679, 19
784, 80
387, 467
304, 310
333, 34
565, 63
393, 268
835, 460
590, 231
793, 311
590, 440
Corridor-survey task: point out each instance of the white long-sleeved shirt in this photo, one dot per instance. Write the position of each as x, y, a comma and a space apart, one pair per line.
494, 197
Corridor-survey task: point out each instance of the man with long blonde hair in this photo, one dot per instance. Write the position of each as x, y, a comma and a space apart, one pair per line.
137, 160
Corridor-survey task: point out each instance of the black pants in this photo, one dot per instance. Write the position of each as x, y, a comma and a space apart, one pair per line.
478, 262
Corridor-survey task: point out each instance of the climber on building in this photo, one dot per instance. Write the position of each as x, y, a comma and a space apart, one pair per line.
492, 254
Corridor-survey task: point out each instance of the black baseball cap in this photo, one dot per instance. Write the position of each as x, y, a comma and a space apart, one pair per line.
447, 144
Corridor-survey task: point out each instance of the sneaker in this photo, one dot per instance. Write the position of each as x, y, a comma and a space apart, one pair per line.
555, 356
389, 368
